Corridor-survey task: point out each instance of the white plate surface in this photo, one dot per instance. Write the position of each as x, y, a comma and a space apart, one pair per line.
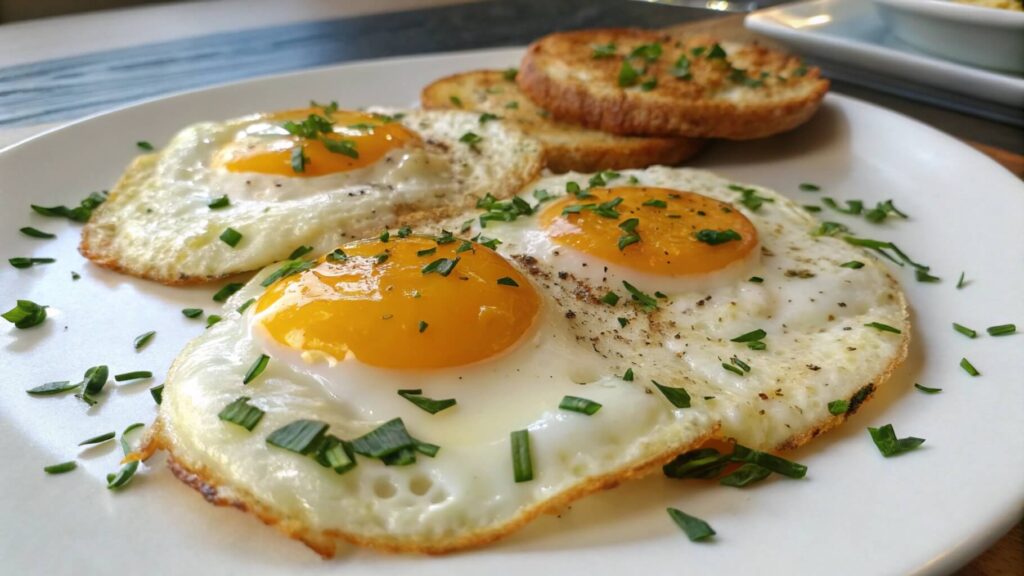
852, 32
856, 513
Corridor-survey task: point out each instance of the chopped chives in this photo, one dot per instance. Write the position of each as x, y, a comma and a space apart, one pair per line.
94, 380
21, 262
889, 445
960, 283
231, 237
157, 392
522, 463
506, 281
192, 312
883, 327
256, 369
646, 302
628, 375
808, 187
336, 454
287, 269
740, 363
51, 388
611, 298
212, 319
755, 279
694, 528
965, 330
427, 404
1001, 330
751, 336
242, 413
732, 369
716, 237
300, 252
25, 314
300, 436
677, 396
143, 145
143, 339
245, 305
137, 375
623, 322
127, 471
219, 202
36, 233
968, 367
384, 440
224, 293
926, 389
838, 407
776, 464
426, 251
60, 468
745, 475
854, 264
423, 326
581, 405
98, 439
442, 266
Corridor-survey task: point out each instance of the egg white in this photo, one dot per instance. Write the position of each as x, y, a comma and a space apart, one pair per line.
157, 222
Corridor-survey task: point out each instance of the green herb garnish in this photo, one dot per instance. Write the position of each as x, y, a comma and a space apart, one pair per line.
224, 293
20, 262
716, 237
287, 269
242, 413
51, 388
926, 389
695, 529
192, 312
442, 266
256, 369
34, 233
98, 439
157, 392
808, 187
60, 468
522, 463
136, 375
25, 314
385, 440
838, 407
854, 264
299, 160
628, 75
677, 396
142, 339
80, 213
965, 330
883, 327
506, 281
745, 475
645, 301
581, 405
300, 436
427, 404
968, 367
889, 445
1001, 330
231, 237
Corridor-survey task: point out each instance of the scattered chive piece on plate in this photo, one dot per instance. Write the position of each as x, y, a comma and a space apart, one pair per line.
231, 237
426, 404
694, 528
883, 327
61, 468
756, 279
36, 233
242, 413
127, 471
25, 314
677, 396
192, 312
628, 375
98, 439
21, 262
889, 445
256, 369
143, 145
300, 436
926, 389
1001, 330
224, 293
581, 405
808, 187
960, 283
137, 375
745, 475
968, 367
522, 463
212, 319
51, 388
838, 407
142, 339
776, 464
965, 330
157, 392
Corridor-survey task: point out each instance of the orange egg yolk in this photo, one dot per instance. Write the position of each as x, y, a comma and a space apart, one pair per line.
392, 305
653, 230
353, 140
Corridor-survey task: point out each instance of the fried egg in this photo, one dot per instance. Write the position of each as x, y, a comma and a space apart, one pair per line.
375, 318
596, 317
234, 196
706, 269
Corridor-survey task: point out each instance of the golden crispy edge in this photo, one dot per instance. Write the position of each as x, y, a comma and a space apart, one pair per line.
584, 154
604, 106
98, 252
325, 542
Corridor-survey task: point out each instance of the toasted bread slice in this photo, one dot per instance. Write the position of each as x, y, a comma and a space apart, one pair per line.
627, 81
568, 147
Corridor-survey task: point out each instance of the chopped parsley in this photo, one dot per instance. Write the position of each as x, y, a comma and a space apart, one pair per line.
628, 76
628, 375
629, 235
681, 68
611, 298
472, 139
510, 74
455, 100
830, 229
488, 117
853, 207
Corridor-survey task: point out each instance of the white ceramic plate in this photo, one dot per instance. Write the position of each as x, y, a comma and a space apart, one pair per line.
856, 513
851, 32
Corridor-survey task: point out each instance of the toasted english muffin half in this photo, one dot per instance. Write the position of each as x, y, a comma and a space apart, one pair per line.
628, 81
568, 147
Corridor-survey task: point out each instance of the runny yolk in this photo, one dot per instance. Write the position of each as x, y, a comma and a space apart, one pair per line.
668, 224
391, 314
365, 138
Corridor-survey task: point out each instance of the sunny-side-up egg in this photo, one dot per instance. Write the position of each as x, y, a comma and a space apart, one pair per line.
730, 291
451, 379
233, 196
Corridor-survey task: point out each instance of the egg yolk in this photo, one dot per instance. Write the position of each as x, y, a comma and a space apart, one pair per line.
409, 303
330, 140
654, 230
